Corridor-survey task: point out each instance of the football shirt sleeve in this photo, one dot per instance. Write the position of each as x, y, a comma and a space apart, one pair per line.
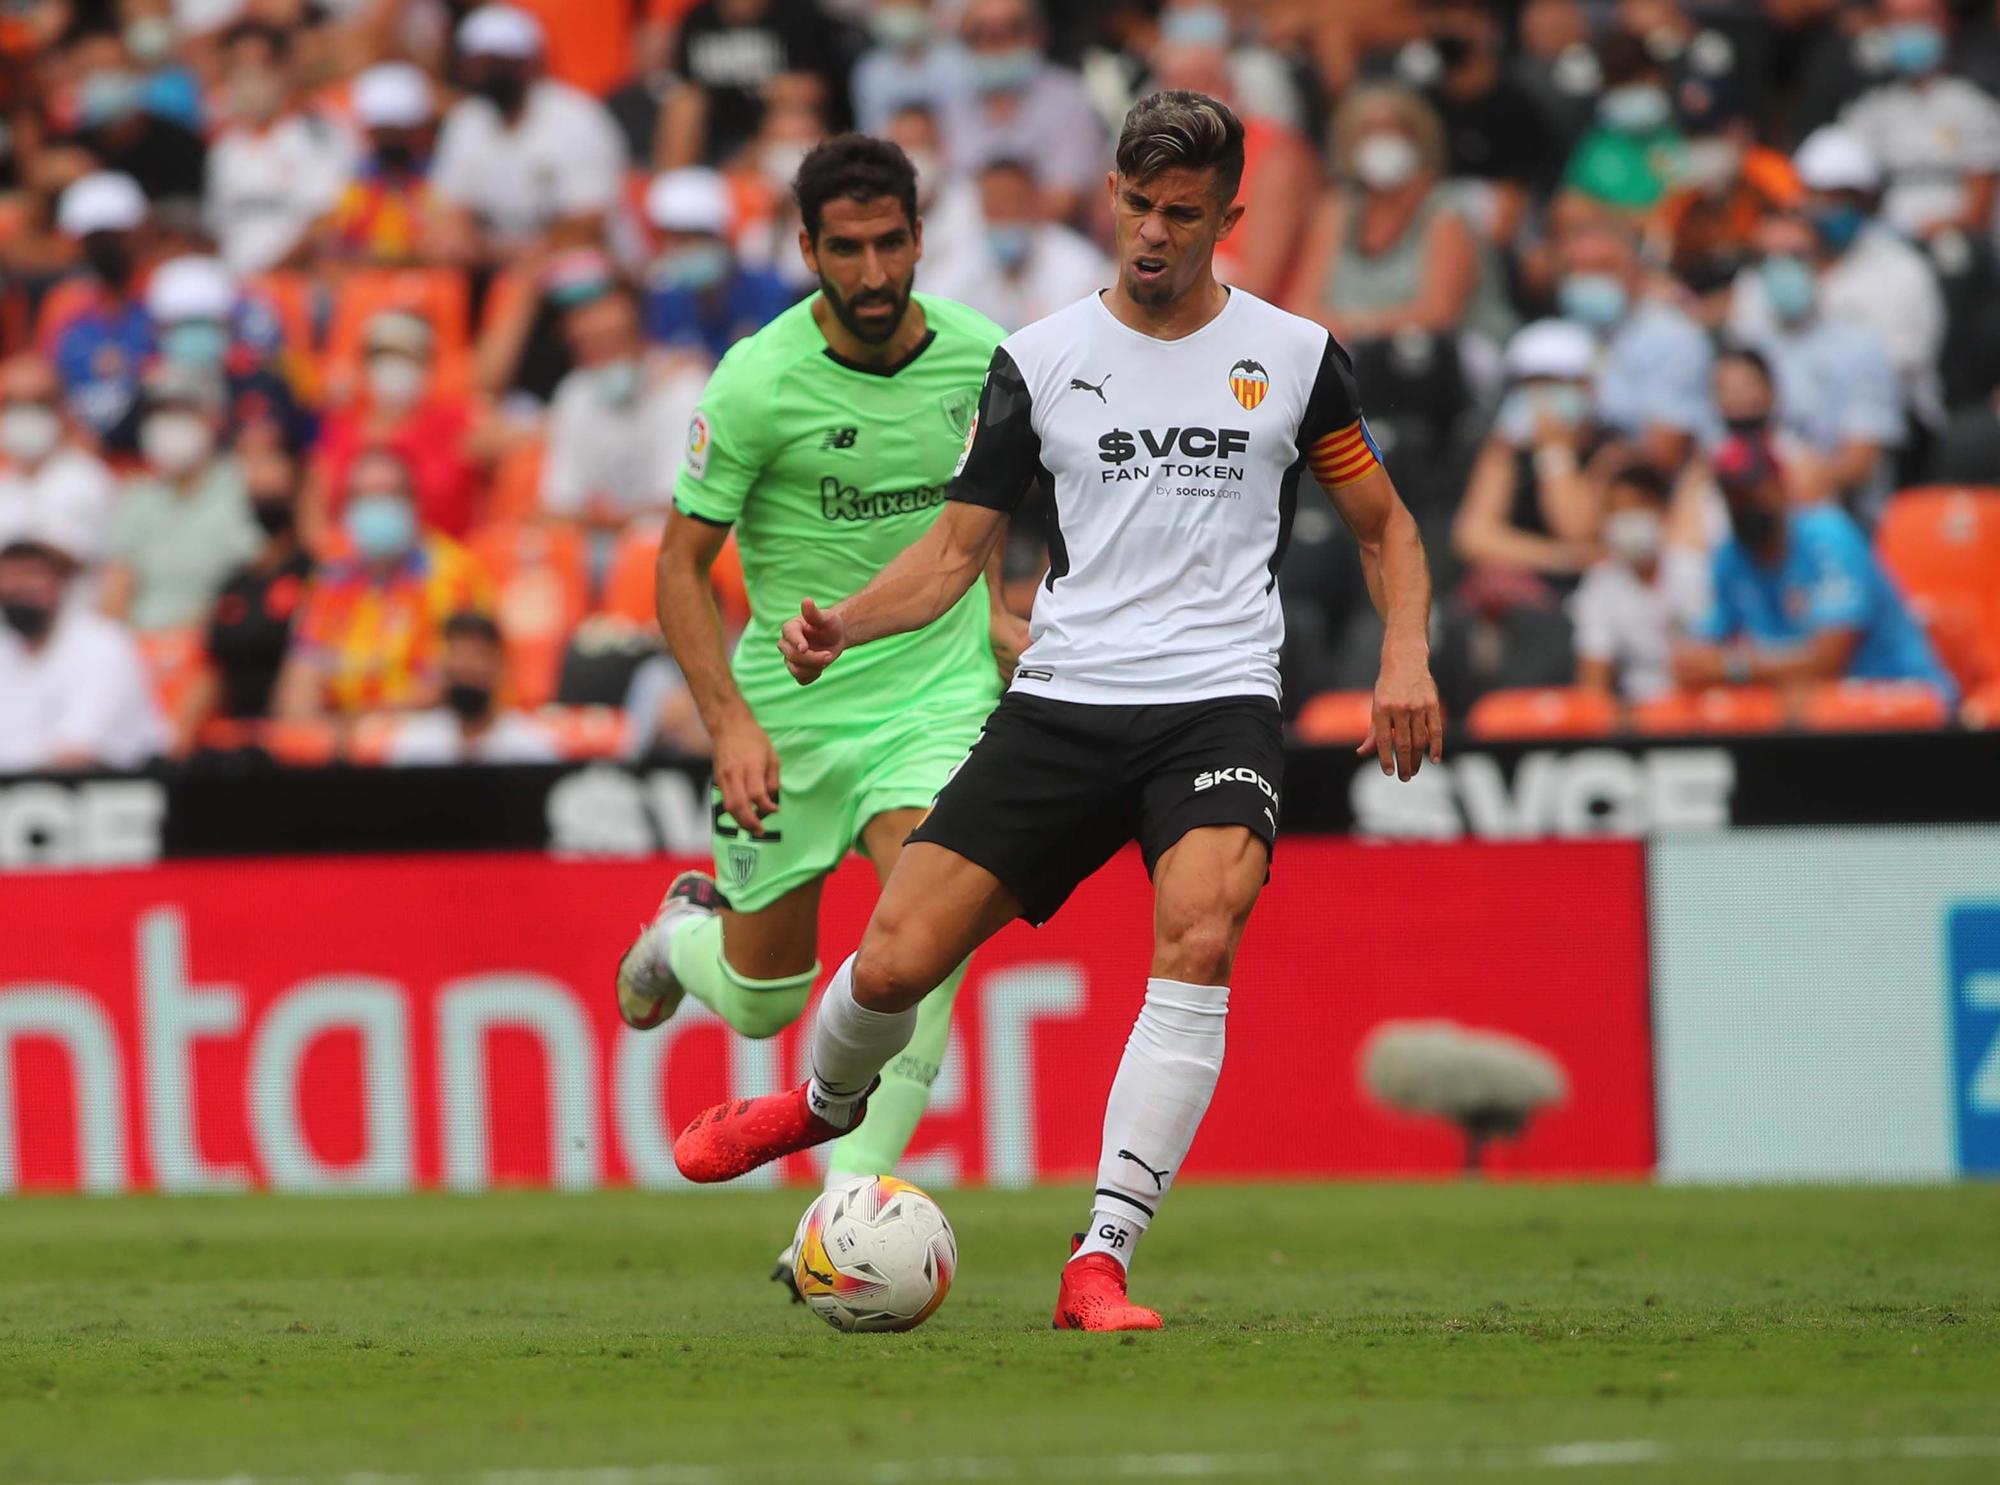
1333, 435
725, 445
1003, 453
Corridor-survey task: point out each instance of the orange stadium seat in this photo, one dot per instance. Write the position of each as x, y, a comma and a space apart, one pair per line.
440, 295
1549, 712
585, 732
542, 577
1874, 706
175, 660
515, 493
1717, 709
1982, 707
1942, 544
1335, 717
628, 585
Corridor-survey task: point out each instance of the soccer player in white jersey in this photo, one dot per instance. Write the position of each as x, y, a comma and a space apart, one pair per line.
1170, 420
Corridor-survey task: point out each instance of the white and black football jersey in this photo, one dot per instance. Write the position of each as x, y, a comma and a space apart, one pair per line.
1172, 468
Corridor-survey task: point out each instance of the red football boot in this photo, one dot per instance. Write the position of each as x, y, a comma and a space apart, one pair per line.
731, 1139
1093, 1296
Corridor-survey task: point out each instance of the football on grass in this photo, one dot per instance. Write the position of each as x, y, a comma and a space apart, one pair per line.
874, 1255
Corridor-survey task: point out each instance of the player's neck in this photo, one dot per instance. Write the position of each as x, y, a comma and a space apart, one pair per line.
851, 348
1175, 320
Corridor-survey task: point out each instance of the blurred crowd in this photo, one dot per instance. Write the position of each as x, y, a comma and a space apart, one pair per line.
350, 345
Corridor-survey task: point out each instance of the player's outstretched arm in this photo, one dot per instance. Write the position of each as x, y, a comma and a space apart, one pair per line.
1407, 723
917, 588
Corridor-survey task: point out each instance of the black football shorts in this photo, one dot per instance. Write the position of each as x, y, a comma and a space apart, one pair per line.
1052, 789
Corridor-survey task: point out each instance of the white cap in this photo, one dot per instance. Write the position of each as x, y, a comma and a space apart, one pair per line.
192, 288
500, 31
1557, 349
393, 95
692, 199
1836, 159
103, 201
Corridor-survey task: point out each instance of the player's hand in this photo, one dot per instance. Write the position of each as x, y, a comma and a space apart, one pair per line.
1009, 633
746, 771
1406, 723
811, 642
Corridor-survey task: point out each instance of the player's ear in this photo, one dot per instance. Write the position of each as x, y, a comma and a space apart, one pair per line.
806, 252
917, 240
1111, 190
1229, 220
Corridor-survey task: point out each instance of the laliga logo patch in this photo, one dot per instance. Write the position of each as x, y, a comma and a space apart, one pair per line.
697, 455
971, 432
1250, 382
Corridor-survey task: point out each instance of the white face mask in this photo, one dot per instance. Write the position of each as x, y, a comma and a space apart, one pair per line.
29, 432
1385, 160
1633, 536
175, 443
395, 381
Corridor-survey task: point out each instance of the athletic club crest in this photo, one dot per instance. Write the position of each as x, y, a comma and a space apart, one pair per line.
1249, 381
958, 407
742, 865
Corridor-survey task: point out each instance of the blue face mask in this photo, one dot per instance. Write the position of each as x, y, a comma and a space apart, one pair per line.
107, 97
1009, 245
1526, 405
201, 344
1003, 72
1913, 48
1202, 26
617, 382
696, 268
1597, 301
1635, 108
1838, 226
382, 527
1788, 284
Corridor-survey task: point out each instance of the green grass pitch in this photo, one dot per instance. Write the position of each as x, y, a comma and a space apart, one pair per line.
1444, 1332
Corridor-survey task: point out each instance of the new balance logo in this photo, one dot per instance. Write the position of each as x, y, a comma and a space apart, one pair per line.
840, 438
1078, 384
1159, 1176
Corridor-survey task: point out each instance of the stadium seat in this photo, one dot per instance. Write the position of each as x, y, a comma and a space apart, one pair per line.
440, 295
585, 732
175, 659
542, 578
1717, 709
628, 586
1942, 544
1982, 708
515, 493
1545, 712
1874, 706
1335, 717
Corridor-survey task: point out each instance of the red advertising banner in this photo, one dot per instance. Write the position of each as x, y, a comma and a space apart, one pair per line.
383, 1023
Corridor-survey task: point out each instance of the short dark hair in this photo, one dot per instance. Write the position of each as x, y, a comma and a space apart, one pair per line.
1181, 130
1644, 478
853, 167
26, 549
1750, 356
277, 38
469, 623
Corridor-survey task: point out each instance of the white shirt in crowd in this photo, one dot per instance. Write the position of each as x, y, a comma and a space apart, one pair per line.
564, 158
65, 501
1929, 136
1632, 623
627, 450
435, 738
266, 187
1061, 267
84, 693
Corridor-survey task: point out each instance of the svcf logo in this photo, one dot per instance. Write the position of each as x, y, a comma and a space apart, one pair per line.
1249, 381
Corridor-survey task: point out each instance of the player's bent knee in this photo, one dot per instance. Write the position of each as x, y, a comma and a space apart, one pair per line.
888, 976
1197, 949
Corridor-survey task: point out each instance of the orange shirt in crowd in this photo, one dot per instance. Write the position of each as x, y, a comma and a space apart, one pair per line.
377, 643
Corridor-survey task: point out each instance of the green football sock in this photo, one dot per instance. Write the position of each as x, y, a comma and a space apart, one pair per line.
756, 1008
895, 1108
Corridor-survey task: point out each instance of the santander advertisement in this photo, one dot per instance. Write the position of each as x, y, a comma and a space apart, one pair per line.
390, 1023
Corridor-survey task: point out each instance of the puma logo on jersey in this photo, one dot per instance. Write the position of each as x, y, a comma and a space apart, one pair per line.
1159, 1175
1078, 384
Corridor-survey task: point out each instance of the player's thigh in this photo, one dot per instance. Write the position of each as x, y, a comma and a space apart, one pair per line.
772, 882
935, 909
884, 836
910, 762
1204, 887
780, 939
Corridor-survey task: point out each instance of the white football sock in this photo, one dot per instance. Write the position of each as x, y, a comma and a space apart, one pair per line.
1164, 1082
850, 1045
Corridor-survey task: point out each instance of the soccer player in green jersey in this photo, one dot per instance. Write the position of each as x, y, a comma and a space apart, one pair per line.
826, 440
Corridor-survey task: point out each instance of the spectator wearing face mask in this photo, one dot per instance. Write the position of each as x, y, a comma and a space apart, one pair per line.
910, 65
1031, 267
1798, 596
1653, 362
73, 688
204, 326
1864, 270
1019, 105
469, 725
618, 424
100, 347
434, 433
49, 481
113, 123
1647, 592
1838, 394
371, 633
1937, 136
730, 55
524, 159
702, 298
1631, 153
249, 628
273, 170
1726, 185
384, 212
152, 41
183, 522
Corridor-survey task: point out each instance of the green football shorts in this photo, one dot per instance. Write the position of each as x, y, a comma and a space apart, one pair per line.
831, 782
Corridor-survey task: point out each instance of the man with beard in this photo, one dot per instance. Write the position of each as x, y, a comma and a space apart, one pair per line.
826, 440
